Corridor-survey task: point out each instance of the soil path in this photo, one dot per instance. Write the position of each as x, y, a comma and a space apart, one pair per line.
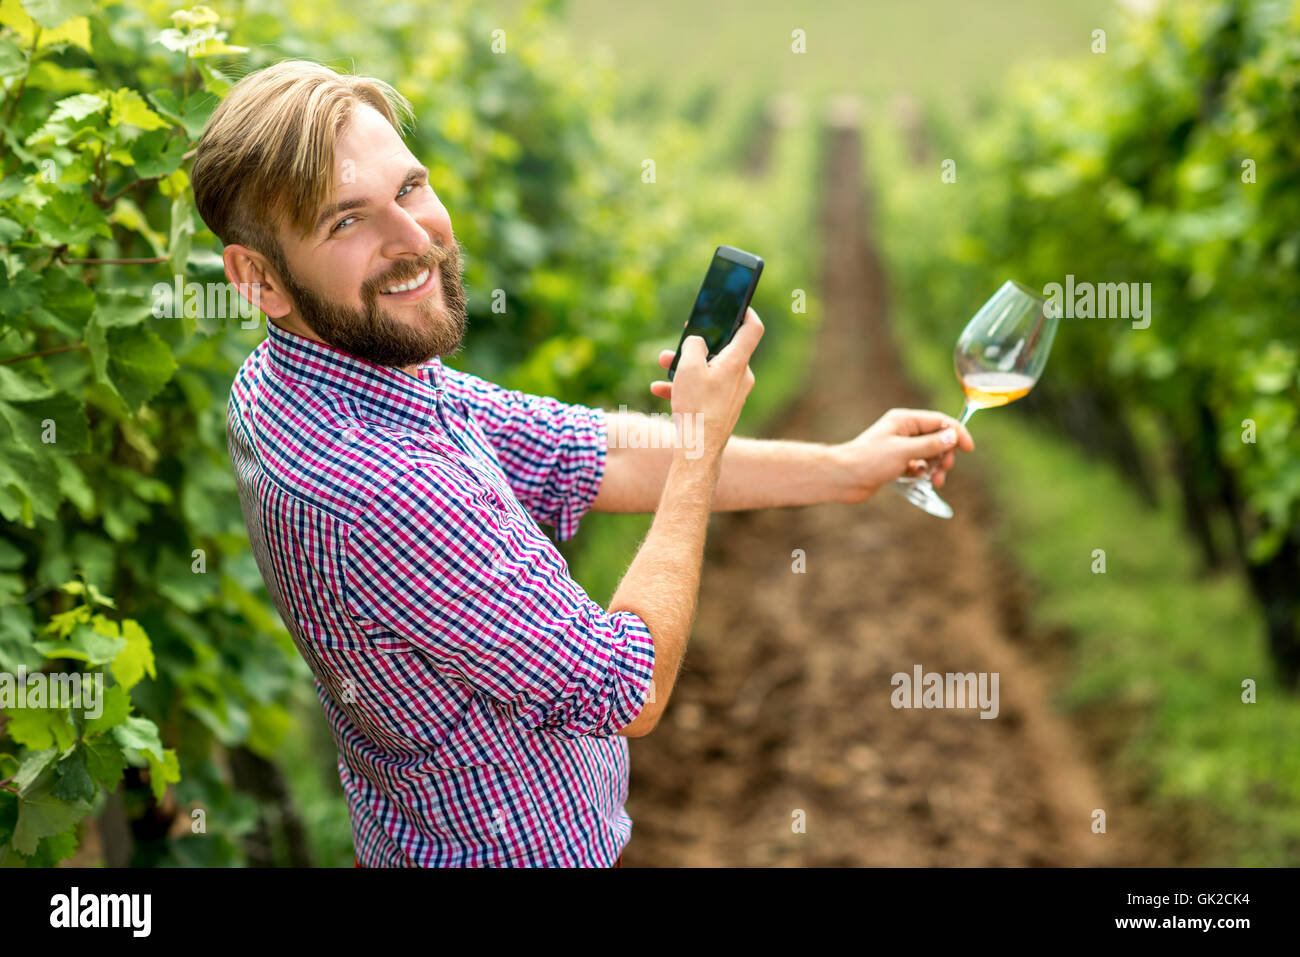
783, 705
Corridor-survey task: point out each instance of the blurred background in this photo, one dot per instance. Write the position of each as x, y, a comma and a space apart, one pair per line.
1126, 550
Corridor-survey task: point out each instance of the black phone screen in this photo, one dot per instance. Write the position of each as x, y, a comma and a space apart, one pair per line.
720, 303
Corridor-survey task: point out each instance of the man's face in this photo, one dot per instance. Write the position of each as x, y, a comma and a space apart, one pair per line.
387, 229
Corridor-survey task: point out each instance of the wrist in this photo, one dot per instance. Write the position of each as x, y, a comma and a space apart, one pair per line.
698, 461
845, 477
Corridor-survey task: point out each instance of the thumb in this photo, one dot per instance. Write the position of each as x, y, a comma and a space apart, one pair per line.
930, 445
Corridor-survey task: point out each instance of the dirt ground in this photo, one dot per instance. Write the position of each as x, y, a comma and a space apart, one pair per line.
783, 704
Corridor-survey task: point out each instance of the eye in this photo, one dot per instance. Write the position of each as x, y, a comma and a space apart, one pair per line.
400, 193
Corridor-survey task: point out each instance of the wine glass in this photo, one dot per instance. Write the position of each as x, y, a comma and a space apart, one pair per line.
998, 359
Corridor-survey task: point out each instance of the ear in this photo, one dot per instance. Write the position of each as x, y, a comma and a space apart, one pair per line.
244, 267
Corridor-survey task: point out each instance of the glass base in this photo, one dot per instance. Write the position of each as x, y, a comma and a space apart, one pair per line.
922, 494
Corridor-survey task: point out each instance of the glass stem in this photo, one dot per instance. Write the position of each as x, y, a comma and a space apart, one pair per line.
967, 410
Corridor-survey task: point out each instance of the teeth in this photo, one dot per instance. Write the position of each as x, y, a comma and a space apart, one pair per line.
418, 281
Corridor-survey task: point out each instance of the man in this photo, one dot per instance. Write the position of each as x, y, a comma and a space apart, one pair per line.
480, 700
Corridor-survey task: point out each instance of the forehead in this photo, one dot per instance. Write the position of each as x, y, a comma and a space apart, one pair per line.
368, 147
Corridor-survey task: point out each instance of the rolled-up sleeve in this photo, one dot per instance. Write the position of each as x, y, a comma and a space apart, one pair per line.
553, 453
488, 599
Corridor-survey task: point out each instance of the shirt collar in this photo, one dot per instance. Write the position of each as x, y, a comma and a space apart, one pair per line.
390, 395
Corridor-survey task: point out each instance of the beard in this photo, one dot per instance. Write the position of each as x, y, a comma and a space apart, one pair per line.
372, 333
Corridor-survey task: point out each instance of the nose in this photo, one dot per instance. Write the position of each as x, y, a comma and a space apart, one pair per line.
408, 238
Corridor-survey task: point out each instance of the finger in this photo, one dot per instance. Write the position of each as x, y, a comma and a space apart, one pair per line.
938, 478
920, 421
695, 351
741, 346
666, 358
929, 446
661, 389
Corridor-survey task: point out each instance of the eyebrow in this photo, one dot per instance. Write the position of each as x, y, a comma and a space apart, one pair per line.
413, 174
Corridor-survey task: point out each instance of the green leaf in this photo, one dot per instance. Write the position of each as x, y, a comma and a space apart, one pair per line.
70, 218
164, 101
115, 308
85, 644
18, 294
67, 301
140, 734
18, 385
159, 153
28, 483
75, 30
62, 623
197, 109
78, 107
195, 16
94, 596
54, 13
74, 781
11, 556
135, 660
182, 234
114, 709
41, 728
73, 486
139, 363
105, 761
42, 813
61, 419
33, 765
214, 81
51, 850
128, 106
12, 58
163, 772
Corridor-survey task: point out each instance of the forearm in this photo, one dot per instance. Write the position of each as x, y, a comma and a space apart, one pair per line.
755, 473
662, 584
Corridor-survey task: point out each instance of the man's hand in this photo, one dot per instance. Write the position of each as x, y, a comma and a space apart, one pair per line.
713, 390
899, 444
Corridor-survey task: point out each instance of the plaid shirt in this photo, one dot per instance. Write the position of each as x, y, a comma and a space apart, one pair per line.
473, 688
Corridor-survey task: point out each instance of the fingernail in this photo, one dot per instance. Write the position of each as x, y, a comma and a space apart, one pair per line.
948, 436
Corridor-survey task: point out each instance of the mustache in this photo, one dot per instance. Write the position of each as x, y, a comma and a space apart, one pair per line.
437, 255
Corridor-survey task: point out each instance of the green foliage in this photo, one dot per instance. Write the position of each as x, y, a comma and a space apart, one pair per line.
1167, 160
115, 478
1127, 166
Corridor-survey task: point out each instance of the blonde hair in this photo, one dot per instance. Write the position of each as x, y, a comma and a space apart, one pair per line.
266, 156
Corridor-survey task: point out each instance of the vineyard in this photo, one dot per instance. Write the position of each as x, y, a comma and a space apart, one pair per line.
586, 204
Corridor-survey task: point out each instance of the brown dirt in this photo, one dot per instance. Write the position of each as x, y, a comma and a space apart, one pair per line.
783, 703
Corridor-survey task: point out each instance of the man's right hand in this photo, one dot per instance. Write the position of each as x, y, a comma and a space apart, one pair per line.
710, 392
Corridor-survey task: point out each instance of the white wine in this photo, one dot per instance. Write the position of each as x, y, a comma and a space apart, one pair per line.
988, 390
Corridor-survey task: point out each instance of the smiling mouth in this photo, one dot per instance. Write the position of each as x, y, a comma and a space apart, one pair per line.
415, 288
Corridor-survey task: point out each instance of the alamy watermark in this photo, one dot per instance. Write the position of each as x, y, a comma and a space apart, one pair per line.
658, 430
930, 689
54, 690
1107, 300
209, 300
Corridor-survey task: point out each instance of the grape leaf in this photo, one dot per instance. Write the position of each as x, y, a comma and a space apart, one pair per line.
135, 660
42, 813
41, 728
114, 709
105, 761
54, 13
74, 781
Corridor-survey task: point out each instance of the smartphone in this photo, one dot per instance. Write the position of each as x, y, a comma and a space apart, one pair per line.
722, 301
